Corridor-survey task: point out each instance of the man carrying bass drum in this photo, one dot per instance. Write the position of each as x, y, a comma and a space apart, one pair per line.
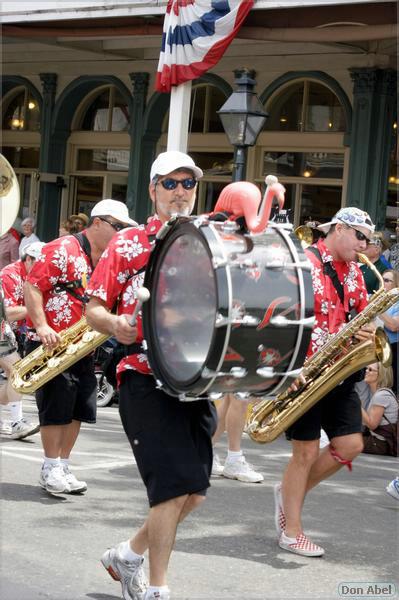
339, 293
55, 300
170, 439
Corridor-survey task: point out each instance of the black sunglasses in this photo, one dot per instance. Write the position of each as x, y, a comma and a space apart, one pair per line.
359, 235
116, 226
171, 184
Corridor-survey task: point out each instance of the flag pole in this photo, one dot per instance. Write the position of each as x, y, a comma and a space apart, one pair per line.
179, 114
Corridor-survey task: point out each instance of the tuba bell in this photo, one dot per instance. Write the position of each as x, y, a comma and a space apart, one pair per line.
9, 205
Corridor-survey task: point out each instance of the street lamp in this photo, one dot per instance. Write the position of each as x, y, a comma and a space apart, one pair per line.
242, 117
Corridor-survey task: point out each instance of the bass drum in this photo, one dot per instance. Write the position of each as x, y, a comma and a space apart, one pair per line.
228, 312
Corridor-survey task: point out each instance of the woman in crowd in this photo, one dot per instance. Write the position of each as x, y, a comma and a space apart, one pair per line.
382, 412
28, 227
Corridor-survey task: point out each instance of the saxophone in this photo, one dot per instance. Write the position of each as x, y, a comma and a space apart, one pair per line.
323, 371
41, 365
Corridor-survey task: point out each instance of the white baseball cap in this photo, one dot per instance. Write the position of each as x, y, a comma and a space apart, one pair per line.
352, 216
33, 250
170, 161
112, 208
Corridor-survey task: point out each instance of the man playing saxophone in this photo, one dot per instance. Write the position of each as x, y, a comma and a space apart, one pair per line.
339, 293
55, 299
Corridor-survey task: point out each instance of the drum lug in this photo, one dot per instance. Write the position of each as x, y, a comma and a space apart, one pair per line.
158, 384
242, 395
215, 396
281, 321
247, 320
266, 372
222, 321
305, 265
238, 372
144, 345
219, 262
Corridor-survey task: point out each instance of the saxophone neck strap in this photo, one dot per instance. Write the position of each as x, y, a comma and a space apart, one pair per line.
329, 270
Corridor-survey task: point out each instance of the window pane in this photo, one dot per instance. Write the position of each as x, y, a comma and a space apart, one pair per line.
286, 110
14, 114
218, 163
196, 124
103, 160
120, 114
216, 101
319, 203
96, 116
20, 157
324, 112
304, 164
32, 121
88, 190
119, 191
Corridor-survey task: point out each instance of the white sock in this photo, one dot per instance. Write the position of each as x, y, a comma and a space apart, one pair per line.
234, 456
126, 553
50, 462
15, 411
154, 588
64, 462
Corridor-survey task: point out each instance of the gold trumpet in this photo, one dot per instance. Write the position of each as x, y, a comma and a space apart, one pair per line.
326, 369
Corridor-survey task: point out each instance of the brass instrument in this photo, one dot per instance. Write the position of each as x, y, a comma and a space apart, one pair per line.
326, 369
9, 205
41, 365
304, 235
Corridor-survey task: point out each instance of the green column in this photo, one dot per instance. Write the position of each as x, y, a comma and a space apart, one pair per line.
50, 191
374, 94
137, 205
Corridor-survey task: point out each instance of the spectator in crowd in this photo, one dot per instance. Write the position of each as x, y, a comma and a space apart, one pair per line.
8, 249
382, 411
232, 413
394, 251
393, 488
80, 221
67, 227
390, 319
374, 250
28, 227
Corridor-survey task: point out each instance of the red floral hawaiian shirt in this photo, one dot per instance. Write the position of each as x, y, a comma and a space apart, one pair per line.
61, 261
329, 311
116, 280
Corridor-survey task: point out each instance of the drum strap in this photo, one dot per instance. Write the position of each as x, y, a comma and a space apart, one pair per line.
71, 286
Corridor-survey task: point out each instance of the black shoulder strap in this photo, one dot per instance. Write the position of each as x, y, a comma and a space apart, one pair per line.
328, 269
84, 243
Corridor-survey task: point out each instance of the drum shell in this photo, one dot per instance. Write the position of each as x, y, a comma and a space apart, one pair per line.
235, 286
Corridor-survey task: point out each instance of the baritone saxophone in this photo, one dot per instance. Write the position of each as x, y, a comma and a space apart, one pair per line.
339, 358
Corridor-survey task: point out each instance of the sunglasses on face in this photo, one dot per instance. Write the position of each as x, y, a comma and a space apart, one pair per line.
359, 235
171, 184
114, 225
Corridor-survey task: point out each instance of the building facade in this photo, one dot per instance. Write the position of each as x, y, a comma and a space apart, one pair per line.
81, 120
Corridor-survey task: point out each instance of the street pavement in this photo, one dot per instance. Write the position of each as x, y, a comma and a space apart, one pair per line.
227, 550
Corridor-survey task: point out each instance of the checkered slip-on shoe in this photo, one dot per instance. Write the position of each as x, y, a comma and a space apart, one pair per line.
302, 545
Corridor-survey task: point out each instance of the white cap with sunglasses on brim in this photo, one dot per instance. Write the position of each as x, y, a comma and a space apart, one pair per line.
172, 160
352, 216
113, 208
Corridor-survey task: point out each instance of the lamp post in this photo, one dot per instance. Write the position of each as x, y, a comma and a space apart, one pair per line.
242, 117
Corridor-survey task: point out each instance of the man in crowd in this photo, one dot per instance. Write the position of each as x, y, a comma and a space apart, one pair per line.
339, 412
171, 440
55, 299
374, 251
13, 277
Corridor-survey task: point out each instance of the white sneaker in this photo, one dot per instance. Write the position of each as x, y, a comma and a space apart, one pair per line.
158, 595
393, 488
53, 480
21, 429
217, 467
76, 486
5, 428
130, 574
241, 470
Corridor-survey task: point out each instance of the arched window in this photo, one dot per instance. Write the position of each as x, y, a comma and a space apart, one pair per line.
305, 106
20, 111
106, 111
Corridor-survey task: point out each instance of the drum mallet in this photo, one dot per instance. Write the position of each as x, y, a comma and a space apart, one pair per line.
142, 296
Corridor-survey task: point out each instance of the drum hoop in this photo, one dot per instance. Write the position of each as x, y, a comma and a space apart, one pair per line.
167, 382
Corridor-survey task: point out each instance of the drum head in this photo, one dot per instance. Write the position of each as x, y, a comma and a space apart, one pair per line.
179, 318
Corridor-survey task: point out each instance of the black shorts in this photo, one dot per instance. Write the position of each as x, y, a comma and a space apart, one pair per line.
338, 413
72, 395
171, 440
